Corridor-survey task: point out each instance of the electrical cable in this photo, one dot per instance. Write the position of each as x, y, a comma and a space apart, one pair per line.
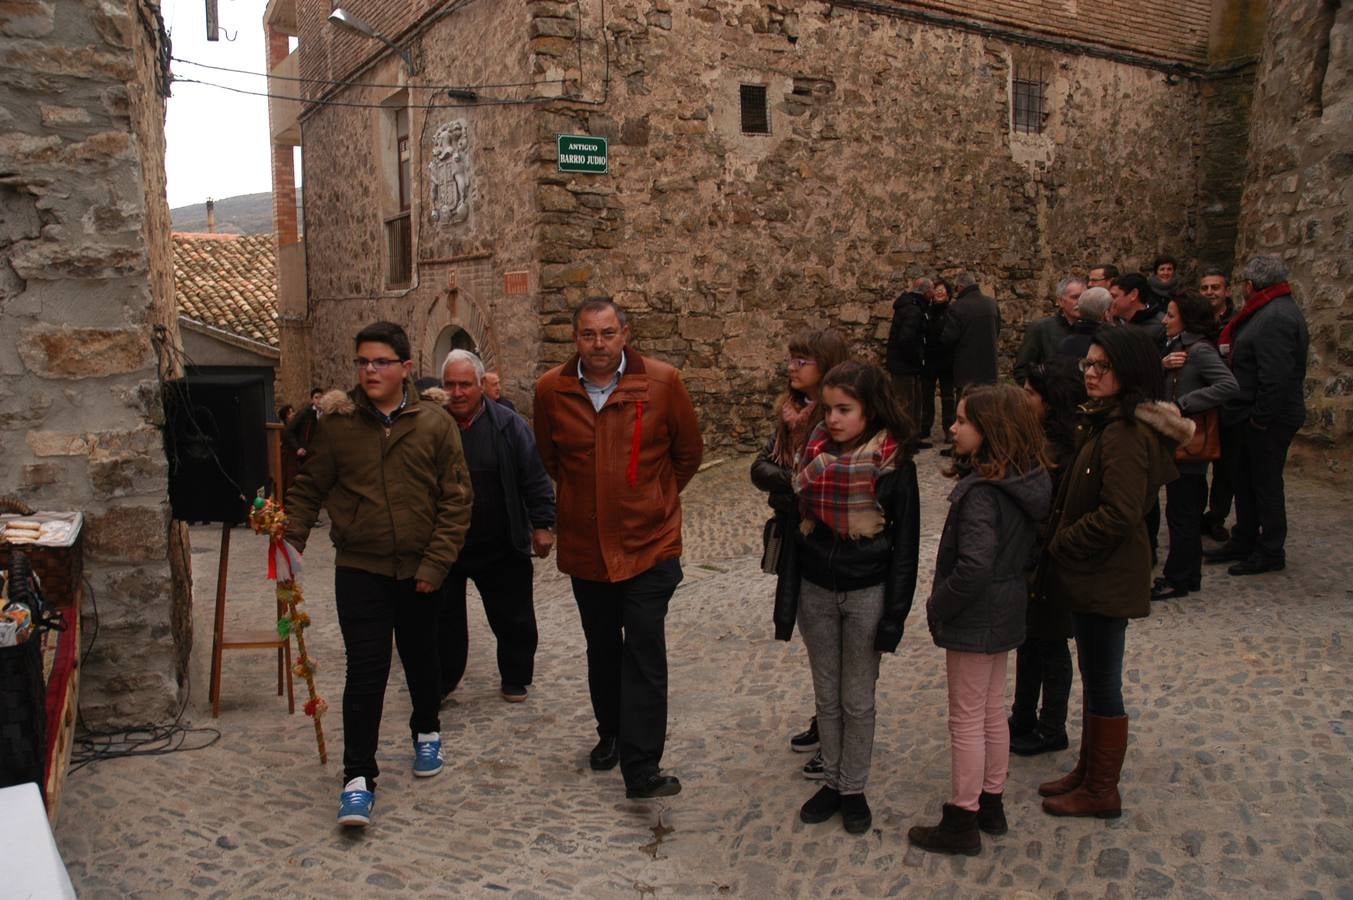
501, 101
410, 86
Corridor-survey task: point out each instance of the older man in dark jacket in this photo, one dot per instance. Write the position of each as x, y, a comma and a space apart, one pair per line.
1266, 344
1043, 338
512, 518
971, 330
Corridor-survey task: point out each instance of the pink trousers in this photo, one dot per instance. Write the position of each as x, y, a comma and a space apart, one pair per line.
979, 738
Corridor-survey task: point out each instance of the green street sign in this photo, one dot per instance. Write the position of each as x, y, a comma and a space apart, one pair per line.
582, 153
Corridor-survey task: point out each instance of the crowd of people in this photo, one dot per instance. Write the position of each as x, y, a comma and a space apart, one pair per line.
1136, 383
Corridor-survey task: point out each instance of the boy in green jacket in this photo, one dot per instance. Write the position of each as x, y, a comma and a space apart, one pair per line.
391, 473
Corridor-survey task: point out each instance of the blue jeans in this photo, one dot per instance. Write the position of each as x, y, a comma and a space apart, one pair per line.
1100, 642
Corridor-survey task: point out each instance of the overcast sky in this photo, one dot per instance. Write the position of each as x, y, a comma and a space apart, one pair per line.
216, 140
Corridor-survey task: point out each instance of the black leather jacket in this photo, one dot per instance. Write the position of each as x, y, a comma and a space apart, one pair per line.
841, 564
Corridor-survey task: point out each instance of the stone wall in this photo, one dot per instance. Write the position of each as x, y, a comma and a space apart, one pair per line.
891, 152
462, 255
86, 284
1298, 196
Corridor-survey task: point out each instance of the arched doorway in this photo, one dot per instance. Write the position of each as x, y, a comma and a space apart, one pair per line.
452, 337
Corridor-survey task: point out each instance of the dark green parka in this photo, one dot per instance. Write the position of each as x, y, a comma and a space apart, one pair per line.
1098, 559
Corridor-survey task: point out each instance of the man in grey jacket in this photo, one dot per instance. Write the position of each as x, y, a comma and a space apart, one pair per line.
1266, 344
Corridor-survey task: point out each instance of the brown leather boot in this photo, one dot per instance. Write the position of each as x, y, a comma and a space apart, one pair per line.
1072, 780
1098, 793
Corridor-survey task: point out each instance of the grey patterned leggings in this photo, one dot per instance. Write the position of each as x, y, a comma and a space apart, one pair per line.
838, 629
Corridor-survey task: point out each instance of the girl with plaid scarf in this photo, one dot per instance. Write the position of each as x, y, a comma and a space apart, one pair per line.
856, 554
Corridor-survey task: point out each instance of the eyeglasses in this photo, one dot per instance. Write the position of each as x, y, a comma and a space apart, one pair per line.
380, 363
797, 362
1099, 365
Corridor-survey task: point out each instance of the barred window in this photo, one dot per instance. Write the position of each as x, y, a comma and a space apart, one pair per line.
1029, 99
755, 111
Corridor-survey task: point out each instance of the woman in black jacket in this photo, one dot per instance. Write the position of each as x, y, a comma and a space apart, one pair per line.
797, 412
1043, 664
1196, 380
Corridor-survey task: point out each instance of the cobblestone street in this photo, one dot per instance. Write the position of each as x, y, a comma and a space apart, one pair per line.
1237, 782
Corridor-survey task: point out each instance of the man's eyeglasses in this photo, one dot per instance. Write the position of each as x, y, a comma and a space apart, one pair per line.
1099, 365
380, 363
797, 362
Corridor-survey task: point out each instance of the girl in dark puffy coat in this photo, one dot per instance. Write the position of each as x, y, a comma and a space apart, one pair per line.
797, 412
976, 609
856, 551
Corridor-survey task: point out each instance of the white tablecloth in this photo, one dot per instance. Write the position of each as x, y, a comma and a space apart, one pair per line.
35, 868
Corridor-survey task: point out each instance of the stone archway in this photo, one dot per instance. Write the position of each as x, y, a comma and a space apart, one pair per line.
454, 320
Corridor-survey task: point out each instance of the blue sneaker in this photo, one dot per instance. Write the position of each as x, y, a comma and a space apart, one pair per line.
427, 755
355, 804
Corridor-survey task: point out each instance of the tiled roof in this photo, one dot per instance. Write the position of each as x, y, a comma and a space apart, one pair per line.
228, 281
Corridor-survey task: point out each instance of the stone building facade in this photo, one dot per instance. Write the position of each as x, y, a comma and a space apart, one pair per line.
885, 138
86, 308
1298, 202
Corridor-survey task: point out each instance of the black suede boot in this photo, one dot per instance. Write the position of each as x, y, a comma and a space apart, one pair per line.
956, 833
991, 814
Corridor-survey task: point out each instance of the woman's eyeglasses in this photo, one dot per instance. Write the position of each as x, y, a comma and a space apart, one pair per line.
1099, 365
796, 362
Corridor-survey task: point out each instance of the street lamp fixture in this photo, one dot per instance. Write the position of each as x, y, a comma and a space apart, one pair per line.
346, 20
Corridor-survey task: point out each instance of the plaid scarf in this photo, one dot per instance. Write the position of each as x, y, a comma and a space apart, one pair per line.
839, 491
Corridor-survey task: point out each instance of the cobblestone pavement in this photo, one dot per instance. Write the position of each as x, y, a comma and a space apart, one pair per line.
1237, 783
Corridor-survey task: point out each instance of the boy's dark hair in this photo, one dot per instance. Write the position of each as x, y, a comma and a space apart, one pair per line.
385, 333
1163, 259
1110, 270
596, 304
1196, 312
316, 390
1135, 281
871, 386
1135, 357
1012, 437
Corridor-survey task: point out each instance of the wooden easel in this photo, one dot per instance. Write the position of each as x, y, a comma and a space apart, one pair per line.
258, 640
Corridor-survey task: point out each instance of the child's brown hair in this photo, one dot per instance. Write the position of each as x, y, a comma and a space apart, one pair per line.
1012, 436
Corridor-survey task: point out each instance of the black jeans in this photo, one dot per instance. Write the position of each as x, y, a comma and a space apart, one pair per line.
1042, 665
370, 609
504, 584
623, 622
1100, 643
1220, 495
1261, 501
945, 383
1185, 498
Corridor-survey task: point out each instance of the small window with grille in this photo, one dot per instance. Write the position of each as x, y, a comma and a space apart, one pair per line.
1029, 99
755, 110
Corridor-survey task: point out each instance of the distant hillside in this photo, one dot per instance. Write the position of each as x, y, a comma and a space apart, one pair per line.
245, 214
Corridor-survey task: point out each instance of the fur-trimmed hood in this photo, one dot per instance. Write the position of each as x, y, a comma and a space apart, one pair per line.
336, 401
1166, 418
434, 395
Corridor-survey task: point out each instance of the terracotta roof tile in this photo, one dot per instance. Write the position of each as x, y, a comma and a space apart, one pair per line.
228, 281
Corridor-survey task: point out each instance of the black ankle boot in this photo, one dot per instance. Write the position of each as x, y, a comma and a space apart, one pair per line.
956, 833
855, 814
991, 814
821, 806
1040, 740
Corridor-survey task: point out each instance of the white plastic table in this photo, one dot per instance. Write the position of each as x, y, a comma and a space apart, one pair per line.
36, 869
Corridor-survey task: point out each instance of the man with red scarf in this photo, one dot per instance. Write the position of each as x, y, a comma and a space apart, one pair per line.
1266, 344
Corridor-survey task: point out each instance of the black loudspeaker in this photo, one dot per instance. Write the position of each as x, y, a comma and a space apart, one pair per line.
217, 446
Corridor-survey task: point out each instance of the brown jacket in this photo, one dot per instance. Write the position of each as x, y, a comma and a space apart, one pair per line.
1099, 557
399, 500
618, 472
